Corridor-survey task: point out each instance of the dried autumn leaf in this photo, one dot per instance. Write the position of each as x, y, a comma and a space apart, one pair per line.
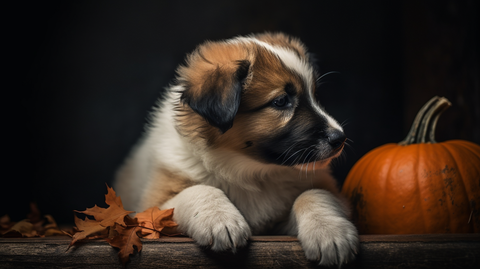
115, 213
126, 239
86, 228
104, 218
154, 220
22, 228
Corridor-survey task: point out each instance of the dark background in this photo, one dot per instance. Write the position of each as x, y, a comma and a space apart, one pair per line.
80, 79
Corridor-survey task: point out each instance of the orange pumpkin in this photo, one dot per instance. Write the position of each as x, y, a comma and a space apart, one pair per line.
418, 185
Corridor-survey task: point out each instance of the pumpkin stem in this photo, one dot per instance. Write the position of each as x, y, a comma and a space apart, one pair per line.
423, 127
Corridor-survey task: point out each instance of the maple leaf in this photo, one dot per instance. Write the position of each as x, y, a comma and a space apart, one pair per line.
126, 239
104, 218
115, 213
86, 228
154, 220
22, 228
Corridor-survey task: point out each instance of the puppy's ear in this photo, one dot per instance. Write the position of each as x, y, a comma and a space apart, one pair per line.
215, 92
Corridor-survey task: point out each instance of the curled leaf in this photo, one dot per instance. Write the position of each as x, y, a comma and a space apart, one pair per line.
154, 220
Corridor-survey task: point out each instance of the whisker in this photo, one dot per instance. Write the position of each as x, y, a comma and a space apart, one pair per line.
291, 157
303, 163
308, 152
326, 74
311, 181
304, 150
350, 147
306, 169
288, 150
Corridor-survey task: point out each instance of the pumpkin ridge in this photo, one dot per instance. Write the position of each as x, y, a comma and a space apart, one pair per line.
470, 144
449, 205
386, 183
368, 157
352, 186
376, 165
466, 193
349, 188
418, 189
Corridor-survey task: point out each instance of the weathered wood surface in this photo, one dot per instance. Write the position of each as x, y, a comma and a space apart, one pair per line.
386, 251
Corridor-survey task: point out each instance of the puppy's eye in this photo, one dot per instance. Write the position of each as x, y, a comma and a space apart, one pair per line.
282, 102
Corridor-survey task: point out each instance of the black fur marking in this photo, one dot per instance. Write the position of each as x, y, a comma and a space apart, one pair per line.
248, 144
218, 104
302, 140
290, 89
242, 71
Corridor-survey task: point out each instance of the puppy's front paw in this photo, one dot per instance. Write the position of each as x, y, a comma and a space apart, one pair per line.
220, 228
334, 240
207, 215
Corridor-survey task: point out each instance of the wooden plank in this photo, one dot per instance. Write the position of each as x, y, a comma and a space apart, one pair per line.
377, 251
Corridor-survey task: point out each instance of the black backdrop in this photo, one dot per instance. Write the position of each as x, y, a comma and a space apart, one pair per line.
81, 78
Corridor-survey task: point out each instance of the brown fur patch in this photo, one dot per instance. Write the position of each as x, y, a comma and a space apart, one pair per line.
269, 78
164, 187
210, 60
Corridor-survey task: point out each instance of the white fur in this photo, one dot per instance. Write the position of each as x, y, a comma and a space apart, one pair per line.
235, 196
291, 60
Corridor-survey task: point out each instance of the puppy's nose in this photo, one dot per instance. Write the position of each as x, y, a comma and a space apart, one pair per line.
336, 138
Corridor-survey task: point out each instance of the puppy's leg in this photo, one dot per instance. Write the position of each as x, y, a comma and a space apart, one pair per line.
207, 215
322, 228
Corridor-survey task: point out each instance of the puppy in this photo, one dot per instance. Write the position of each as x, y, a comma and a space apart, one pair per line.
239, 145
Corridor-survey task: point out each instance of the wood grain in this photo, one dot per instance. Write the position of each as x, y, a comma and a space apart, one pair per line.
377, 251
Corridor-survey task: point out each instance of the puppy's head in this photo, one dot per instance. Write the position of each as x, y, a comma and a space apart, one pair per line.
257, 96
